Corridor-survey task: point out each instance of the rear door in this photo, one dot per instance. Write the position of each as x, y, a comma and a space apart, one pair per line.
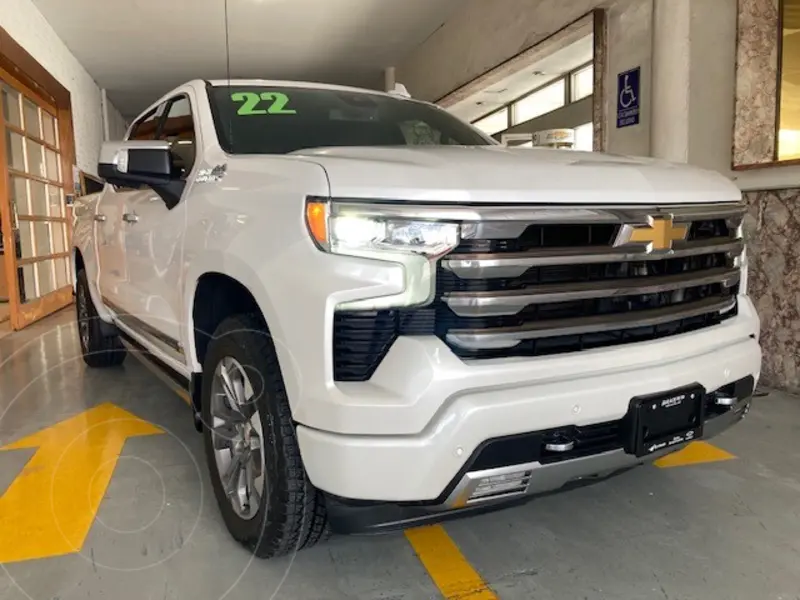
111, 228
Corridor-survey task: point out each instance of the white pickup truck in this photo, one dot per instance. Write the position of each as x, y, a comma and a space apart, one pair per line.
382, 317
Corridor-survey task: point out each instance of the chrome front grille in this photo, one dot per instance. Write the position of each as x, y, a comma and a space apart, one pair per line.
486, 266
476, 304
540, 281
593, 287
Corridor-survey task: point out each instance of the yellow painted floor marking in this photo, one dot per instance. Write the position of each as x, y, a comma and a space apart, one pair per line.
185, 397
49, 508
448, 568
695, 453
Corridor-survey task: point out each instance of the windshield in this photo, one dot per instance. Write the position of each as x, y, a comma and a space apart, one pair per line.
279, 120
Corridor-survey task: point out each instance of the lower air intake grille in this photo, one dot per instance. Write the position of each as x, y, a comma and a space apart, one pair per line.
360, 341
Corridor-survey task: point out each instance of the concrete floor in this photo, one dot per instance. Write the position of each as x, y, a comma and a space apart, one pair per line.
725, 530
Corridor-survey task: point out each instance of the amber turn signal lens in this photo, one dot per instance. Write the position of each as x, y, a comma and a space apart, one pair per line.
317, 220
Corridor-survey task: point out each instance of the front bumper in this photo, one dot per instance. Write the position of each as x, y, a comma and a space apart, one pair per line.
445, 409
350, 517
474, 404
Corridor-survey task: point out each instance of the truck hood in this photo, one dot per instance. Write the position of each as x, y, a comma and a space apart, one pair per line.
497, 174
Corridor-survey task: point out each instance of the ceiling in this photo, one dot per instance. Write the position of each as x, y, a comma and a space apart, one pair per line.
523, 81
140, 49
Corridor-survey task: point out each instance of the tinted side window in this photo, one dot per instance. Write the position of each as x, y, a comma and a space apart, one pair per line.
145, 128
178, 130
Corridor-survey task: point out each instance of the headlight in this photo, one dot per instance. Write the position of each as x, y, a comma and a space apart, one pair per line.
416, 244
357, 235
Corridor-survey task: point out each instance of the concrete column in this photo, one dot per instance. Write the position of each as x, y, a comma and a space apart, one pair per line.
671, 65
630, 45
712, 83
694, 64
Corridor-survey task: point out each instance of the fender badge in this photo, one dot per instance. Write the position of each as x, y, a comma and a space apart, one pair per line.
211, 175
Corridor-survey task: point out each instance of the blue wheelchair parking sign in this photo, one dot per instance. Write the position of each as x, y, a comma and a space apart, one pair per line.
628, 98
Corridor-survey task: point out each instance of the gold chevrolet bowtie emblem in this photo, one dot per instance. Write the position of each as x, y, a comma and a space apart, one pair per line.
660, 233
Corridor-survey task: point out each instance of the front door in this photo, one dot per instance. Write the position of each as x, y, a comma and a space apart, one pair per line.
111, 226
110, 235
154, 240
35, 218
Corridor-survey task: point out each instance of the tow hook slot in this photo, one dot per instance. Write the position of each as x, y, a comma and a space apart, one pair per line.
724, 400
559, 444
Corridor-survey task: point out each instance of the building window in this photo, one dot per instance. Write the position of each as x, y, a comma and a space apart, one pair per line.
493, 123
520, 117
582, 84
540, 102
569, 88
789, 128
584, 137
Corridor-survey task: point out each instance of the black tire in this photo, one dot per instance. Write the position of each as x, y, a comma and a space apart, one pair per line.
99, 349
295, 510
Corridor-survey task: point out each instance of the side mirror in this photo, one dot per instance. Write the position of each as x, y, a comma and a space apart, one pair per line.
142, 162
136, 162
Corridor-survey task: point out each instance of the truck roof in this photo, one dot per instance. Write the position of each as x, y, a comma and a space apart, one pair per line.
311, 85
292, 84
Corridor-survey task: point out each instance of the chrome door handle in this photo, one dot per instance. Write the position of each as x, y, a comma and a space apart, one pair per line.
130, 217
100, 218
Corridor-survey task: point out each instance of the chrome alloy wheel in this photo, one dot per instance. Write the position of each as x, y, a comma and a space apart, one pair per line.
237, 437
83, 318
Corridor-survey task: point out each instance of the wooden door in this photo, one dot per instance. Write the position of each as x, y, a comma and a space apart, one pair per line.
35, 218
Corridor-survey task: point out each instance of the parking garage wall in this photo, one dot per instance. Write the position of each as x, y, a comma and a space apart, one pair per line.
771, 181
480, 36
23, 22
773, 223
484, 35
708, 98
714, 86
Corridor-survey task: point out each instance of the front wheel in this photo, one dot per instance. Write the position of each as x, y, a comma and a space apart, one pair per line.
99, 349
265, 497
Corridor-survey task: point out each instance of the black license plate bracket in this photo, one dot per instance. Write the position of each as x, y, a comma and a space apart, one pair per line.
666, 419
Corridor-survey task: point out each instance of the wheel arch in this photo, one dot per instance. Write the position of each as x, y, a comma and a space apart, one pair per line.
228, 286
216, 297
77, 265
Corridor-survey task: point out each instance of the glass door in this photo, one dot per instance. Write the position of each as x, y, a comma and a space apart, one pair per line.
32, 207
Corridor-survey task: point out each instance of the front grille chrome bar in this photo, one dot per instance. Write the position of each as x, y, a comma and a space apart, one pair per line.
507, 337
485, 266
491, 304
